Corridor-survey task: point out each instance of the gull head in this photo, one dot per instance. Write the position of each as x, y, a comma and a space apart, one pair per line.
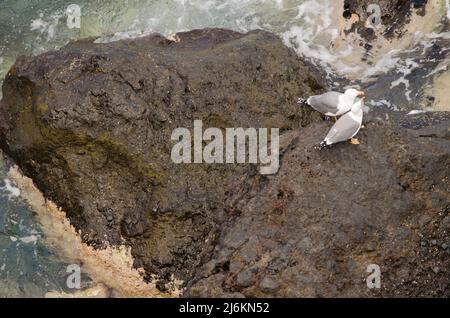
354, 93
359, 103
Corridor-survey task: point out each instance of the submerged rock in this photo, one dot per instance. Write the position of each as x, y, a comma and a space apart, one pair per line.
91, 124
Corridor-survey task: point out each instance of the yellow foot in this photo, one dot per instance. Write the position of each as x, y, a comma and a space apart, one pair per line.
335, 119
354, 141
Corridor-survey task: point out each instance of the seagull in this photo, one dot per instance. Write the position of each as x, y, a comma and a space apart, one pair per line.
333, 104
346, 127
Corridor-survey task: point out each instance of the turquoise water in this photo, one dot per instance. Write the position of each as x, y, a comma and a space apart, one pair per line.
28, 268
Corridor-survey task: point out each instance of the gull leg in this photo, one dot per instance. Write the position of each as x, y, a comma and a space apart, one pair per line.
335, 119
354, 141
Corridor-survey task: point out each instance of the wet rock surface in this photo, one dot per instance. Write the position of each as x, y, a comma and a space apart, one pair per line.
91, 124
314, 228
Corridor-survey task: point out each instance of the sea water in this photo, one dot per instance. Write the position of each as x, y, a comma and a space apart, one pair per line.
28, 268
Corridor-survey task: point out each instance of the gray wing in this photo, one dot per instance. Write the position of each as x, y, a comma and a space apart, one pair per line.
344, 129
325, 103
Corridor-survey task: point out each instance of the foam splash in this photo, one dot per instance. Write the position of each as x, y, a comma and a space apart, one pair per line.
317, 33
38, 24
417, 111
406, 69
122, 36
384, 103
10, 189
111, 267
48, 26
31, 239
322, 37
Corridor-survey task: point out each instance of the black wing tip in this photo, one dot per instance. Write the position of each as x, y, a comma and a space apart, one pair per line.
302, 101
322, 145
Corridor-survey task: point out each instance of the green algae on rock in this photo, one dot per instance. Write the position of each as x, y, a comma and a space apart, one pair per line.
91, 124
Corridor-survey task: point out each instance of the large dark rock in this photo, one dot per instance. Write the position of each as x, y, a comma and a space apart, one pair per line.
91, 124
314, 228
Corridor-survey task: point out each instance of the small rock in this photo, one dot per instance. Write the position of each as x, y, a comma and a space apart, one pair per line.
269, 285
235, 239
245, 278
435, 269
208, 268
434, 242
444, 246
248, 253
236, 266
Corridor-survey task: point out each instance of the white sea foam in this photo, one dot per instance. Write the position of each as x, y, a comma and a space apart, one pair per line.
314, 28
405, 68
442, 35
38, 24
47, 26
443, 66
387, 62
417, 111
314, 33
10, 189
383, 103
122, 36
29, 239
